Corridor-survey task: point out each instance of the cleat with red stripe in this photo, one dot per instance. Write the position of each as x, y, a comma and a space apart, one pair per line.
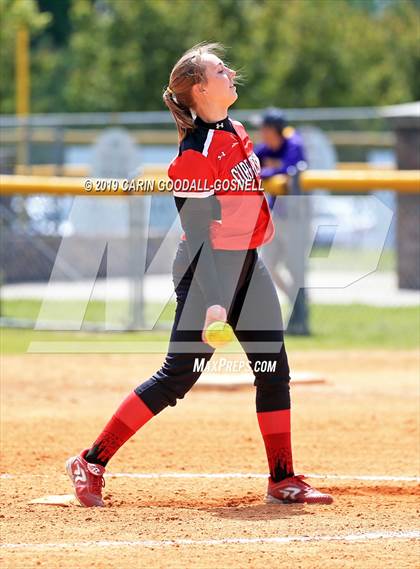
294, 490
87, 479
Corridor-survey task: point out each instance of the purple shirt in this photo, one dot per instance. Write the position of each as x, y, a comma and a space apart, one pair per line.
289, 154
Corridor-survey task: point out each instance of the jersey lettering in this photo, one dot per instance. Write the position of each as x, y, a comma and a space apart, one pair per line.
220, 156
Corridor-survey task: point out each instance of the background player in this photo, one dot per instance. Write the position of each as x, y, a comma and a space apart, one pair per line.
281, 151
281, 147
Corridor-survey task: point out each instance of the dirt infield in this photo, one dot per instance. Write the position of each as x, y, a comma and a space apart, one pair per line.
363, 422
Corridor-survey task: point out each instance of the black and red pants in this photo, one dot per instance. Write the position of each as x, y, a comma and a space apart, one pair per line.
254, 313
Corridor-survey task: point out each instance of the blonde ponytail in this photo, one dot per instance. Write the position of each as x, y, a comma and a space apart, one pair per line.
182, 115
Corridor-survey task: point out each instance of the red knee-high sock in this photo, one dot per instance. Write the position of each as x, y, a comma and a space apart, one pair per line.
275, 429
127, 420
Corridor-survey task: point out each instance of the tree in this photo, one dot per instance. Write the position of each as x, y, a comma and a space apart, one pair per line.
116, 55
14, 14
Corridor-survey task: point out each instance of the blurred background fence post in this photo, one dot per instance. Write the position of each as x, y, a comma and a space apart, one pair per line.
137, 246
22, 79
298, 233
405, 120
59, 150
116, 156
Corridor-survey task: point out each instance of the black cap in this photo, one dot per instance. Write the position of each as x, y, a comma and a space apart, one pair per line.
275, 118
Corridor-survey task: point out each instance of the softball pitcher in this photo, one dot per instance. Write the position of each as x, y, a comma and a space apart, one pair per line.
218, 277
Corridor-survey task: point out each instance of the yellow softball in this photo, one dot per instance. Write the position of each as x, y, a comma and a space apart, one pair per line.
219, 334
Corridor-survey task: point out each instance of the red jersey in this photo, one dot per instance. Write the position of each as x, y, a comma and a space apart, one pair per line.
217, 161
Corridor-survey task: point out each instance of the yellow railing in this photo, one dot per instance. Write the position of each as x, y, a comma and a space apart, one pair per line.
354, 181
357, 166
348, 181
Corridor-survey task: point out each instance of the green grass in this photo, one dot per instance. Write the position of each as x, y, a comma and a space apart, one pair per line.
67, 310
332, 326
360, 259
14, 341
362, 327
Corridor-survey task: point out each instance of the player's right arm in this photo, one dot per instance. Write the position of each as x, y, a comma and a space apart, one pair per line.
197, 208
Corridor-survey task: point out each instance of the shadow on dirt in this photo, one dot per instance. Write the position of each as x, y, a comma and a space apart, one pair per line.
259, 512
